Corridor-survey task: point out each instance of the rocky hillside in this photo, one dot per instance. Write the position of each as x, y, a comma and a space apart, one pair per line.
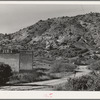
62, 36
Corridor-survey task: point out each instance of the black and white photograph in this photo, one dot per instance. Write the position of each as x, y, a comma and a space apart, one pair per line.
49, 47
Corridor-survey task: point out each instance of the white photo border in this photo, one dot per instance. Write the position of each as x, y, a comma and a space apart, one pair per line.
55, 94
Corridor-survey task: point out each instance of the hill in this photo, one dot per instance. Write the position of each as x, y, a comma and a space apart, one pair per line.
58, 37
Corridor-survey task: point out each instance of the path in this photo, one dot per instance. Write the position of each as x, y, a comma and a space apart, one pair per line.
46, 85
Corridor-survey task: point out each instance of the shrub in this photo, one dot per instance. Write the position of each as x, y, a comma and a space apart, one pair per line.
84, 83
29, 76
80, 83
95, 66
59, 66
21, 78
5, 73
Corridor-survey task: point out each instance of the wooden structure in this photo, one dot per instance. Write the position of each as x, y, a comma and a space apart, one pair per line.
6, 51
25, 60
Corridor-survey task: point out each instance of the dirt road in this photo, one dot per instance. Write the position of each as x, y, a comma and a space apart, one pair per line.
45, 85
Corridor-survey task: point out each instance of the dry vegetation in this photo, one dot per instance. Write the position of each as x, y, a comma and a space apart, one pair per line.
84, 83
60, 66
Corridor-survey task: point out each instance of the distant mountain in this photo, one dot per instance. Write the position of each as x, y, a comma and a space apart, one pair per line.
62, 36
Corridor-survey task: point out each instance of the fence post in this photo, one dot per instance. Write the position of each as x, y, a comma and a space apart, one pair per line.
32, 59
19, 61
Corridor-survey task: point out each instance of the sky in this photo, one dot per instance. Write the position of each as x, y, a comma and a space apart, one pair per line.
14, 17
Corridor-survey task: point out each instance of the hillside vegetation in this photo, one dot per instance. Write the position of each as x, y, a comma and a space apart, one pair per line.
65, 37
